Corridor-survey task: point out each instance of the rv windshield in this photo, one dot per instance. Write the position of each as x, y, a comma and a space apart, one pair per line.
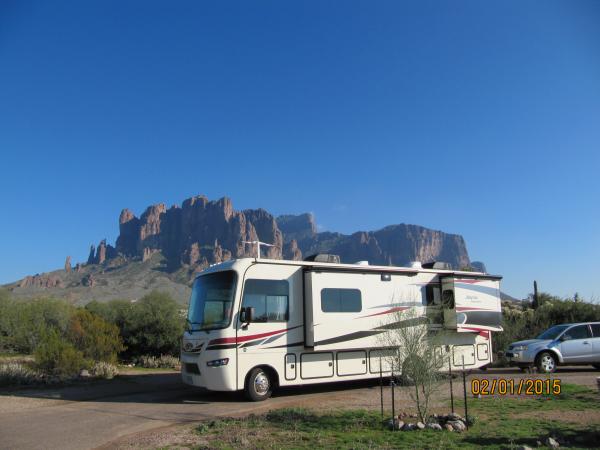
211, 301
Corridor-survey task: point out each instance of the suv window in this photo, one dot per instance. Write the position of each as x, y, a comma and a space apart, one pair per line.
578, 332
596, 329
269, 298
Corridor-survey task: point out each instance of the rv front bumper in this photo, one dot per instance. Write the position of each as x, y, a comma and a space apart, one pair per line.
196, 372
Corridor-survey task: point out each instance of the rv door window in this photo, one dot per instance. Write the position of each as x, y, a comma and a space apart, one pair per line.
341, 300
269, 298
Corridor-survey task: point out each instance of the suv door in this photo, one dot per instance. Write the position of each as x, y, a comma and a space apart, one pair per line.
576, 344
595, 342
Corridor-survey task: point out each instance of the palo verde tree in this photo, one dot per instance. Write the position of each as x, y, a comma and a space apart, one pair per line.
418, 354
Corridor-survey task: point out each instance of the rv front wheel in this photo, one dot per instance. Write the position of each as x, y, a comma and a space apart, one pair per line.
259, 386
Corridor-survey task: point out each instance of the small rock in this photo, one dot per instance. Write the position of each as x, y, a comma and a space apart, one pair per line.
458, 425
398, 424
434, 426
448, 427
420, 425
84, 373
454, 416
552, 443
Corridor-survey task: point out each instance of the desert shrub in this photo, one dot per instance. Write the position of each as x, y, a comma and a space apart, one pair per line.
18, 373
525, 322
161, 362
95, 338
57, 357
23, 323
150, 326
104, 370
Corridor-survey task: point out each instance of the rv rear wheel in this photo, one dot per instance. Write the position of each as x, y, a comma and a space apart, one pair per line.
259, 386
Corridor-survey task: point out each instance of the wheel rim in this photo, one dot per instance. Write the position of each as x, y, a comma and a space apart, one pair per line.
261, 383
548, 363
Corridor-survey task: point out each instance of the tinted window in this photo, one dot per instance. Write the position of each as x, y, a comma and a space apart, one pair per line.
578, 332
269, 298
596, 329
341, 300
552, 333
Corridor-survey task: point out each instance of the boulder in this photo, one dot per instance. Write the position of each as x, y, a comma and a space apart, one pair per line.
458, 425
420, 425
551, 442
434, 426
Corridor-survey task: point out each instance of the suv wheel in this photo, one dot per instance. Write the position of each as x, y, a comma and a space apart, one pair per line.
259, 386
546, 362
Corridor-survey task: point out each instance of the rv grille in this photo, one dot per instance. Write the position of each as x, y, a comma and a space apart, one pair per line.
192, 368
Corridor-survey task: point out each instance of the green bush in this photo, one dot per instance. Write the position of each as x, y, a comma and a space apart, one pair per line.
58, 357
150, 326
97, 339
23, 323
524, 322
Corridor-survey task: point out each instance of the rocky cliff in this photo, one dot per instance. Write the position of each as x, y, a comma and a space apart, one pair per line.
164, 247
202, 232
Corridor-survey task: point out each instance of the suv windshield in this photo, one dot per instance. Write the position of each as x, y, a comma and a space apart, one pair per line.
211, 301
552, 333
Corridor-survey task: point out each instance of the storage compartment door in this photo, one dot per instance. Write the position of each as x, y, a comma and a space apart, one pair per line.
460, 351
316, 365
290, 367
351, 363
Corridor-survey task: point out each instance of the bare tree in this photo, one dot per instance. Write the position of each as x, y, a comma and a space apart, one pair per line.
418, 353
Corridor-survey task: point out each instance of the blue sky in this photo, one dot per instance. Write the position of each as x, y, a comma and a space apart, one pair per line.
478, 118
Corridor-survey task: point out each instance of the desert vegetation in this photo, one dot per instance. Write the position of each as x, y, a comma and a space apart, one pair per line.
61, 341
528, 319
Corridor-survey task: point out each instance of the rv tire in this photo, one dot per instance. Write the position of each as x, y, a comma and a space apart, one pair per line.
259, 385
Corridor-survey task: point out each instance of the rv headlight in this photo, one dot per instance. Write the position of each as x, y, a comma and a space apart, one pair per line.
520, 348
217, 362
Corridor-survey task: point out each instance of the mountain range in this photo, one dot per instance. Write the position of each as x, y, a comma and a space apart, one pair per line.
164, 248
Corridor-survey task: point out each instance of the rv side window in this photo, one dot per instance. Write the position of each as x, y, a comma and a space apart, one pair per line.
269, 298
340, 300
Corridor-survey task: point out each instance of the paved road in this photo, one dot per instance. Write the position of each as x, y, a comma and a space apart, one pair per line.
90, 416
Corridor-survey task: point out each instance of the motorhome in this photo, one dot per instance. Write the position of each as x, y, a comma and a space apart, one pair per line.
255, 324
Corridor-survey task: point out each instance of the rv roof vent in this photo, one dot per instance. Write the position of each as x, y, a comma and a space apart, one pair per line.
362, 263
415, 265
437, 265
324, 258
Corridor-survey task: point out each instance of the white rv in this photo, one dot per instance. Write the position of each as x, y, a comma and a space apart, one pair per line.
255, 324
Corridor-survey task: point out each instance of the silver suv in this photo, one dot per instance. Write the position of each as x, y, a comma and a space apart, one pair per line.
569, 343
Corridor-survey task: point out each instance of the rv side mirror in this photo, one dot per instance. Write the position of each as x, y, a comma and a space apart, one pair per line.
250, 314
247, 315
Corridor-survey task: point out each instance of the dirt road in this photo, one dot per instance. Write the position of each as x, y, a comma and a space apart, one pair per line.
94, 415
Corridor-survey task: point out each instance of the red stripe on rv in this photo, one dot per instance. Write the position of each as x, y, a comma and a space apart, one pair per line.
480, 332
237, 340
397, 308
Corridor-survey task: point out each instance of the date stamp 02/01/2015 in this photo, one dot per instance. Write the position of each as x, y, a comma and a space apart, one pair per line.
524, 386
